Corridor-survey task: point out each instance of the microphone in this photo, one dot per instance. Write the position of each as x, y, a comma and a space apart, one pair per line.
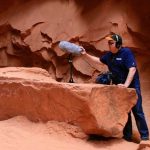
70, 47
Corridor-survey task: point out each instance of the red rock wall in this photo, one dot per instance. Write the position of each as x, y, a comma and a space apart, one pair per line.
30, 31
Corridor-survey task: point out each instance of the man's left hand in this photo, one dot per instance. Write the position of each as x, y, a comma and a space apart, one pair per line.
122, 85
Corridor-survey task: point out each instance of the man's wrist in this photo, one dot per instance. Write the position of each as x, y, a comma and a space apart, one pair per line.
84, 55
126, 85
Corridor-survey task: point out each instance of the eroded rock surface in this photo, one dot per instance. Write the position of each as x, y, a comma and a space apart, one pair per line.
30, 32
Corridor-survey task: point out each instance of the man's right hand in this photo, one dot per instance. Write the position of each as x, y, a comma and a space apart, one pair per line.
83, 52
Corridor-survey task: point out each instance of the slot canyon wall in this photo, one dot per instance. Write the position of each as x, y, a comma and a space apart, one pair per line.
30, 31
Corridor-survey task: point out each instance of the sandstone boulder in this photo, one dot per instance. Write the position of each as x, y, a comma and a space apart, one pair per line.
97, 109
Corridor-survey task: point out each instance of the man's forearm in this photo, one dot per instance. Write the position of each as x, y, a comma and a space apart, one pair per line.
92, 59
130, 76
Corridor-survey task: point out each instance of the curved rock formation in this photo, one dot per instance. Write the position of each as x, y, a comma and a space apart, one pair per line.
30, 31
33, 29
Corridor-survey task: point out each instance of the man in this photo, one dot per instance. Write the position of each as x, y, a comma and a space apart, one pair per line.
122, 64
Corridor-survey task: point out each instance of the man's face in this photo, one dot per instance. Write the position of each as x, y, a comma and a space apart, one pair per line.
112, 46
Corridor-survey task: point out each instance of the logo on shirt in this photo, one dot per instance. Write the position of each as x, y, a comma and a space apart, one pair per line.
118, 58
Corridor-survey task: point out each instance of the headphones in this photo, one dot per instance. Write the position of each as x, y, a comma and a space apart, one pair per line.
118, 41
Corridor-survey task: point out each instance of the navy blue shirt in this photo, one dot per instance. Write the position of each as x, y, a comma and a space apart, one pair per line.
119, 64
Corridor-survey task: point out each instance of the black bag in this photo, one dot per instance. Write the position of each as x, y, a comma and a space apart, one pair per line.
104, 78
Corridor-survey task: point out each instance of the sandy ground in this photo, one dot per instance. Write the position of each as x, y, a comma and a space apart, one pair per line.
19, 133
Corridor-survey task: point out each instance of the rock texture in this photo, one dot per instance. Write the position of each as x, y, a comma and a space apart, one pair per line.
30, 32
97, 109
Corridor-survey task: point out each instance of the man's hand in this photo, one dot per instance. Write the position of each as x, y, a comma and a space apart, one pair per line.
83, 52
122, 85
